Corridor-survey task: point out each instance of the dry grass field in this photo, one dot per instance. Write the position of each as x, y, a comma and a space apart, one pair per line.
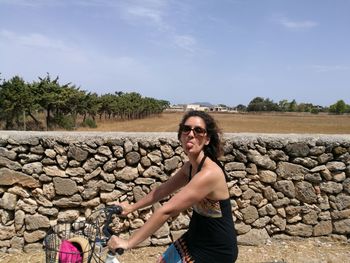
238, 123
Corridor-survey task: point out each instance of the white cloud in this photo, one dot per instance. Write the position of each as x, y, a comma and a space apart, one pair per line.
185, 42
296, 25
91, 69
155, 13
319, 68
150, 12
31, 3
325, 68
33, 40
145, 13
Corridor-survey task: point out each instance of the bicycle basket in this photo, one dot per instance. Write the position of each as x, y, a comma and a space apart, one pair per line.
70, 242
107, 222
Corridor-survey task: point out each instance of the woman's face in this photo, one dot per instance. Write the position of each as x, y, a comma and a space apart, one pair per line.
194, 135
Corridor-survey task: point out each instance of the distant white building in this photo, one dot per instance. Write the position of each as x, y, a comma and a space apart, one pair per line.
223, 109
198, 107
177, 107
219, 109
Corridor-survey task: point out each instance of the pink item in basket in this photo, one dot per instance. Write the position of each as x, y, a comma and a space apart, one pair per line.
69, 253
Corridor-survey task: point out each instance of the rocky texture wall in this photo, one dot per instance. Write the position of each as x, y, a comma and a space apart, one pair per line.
280, 185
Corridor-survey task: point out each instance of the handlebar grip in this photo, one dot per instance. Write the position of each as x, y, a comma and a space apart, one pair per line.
120, 251
118, 209
114, 209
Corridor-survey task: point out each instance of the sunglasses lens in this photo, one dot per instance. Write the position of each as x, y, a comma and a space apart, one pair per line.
196, 130
199, 130
186, 129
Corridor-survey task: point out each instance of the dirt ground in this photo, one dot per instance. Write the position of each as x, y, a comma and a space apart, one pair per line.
277, 251
236, 122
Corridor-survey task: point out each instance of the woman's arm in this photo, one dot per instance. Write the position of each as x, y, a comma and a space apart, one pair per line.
170, 186
197, 189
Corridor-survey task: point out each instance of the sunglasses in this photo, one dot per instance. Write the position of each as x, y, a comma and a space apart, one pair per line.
197, 131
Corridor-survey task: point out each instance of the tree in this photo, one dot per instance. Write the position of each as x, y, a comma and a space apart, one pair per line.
69, 105
106, 102
339, 107
256, 104
261, 104
63, 103
49, 96
17, 101
293, 106
283, 105
270, 105
305, 107
91, 105
241, 107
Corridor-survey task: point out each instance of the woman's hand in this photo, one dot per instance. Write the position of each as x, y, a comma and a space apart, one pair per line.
127, 208
115, 242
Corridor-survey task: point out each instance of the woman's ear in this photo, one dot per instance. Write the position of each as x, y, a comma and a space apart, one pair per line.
207, 141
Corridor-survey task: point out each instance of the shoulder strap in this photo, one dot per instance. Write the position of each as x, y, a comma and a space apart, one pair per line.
199, 167
223, 170
201, 163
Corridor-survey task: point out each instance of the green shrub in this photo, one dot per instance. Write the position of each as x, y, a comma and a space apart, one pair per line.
315, 111
65, 121
89, 123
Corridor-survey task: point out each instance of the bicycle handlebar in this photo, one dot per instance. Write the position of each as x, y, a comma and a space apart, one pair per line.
107, 231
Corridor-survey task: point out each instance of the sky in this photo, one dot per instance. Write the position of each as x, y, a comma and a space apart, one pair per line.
183, 51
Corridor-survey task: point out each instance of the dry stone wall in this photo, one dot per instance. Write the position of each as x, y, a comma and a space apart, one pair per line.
280, 185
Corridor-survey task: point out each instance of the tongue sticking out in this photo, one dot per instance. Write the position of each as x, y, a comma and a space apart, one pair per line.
189, 145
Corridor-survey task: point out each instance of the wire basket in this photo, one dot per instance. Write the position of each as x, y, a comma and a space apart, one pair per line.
102, 218
70, 242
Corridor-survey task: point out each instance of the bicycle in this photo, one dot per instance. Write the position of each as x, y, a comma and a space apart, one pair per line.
84, 241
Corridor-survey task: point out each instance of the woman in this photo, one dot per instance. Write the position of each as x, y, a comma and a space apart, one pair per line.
211, 236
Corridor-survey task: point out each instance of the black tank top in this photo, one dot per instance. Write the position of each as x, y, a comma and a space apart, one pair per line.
211, 236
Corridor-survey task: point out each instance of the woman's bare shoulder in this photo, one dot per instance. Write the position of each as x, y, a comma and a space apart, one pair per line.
212, 167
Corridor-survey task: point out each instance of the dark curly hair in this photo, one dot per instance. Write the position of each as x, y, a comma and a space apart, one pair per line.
214, 149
